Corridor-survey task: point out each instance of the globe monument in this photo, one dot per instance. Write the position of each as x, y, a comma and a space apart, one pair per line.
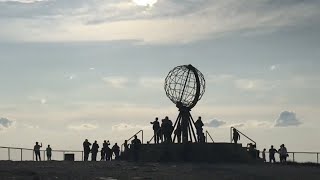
185, 86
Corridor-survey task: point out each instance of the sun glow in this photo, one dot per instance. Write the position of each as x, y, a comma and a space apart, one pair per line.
145, 2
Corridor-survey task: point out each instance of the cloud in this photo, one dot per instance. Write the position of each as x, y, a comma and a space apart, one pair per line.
274, 67
152, 82
168, 21
239, 125
83, 127
125, 127
255, 84
287, 119
253, 124
145, 2
38, 99
71, 77
116, 81
5, 123
220, 78
215, 123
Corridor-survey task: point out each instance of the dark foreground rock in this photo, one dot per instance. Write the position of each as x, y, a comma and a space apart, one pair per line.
128, 170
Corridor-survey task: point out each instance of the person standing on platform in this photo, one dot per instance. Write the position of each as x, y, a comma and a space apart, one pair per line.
166, 129
108, 151
116, 151
49, 153
272, 152
264, 155
170, 129
36, 150
156, 130
135, 146
283, 154
162, 130
86, 149
199, 127
236, 136
94, 151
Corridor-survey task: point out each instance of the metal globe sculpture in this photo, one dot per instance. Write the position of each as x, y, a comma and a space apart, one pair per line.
185, 86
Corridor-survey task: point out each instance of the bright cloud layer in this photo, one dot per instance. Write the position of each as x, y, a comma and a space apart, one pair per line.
167, 21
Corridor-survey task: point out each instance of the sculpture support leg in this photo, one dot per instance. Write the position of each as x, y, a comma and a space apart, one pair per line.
192, 122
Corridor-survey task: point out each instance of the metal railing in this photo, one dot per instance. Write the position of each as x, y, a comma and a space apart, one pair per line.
141, 131
292, 156
21, 154
231, 139
208, 134
26, 154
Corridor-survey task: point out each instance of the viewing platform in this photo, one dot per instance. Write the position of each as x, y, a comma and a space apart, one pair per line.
192, 152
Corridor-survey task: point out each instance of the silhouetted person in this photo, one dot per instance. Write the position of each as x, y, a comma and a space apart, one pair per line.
156, 130
126, 145
177, 132
236, 136
124, 154
166, 129
94, 151
116, 150
135, 146
36, 150
283, 154
162, 130
202, 138
104, 150
108, 151
86, 149
199, 127
272, 152
264, 155
49, 153
253, 151
103, 154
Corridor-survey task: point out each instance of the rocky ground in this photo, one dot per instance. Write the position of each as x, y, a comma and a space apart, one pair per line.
128, 170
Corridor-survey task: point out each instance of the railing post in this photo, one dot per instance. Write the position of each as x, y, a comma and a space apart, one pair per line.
63, 155
231, 134
82, 158
317, 158
9, 154
142, 136
21, 153
44, 155
293, 157
32, 155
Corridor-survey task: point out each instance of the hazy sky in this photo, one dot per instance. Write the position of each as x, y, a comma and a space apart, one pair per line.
95, 68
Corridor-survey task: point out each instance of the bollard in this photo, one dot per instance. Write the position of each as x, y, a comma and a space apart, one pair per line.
21, 153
